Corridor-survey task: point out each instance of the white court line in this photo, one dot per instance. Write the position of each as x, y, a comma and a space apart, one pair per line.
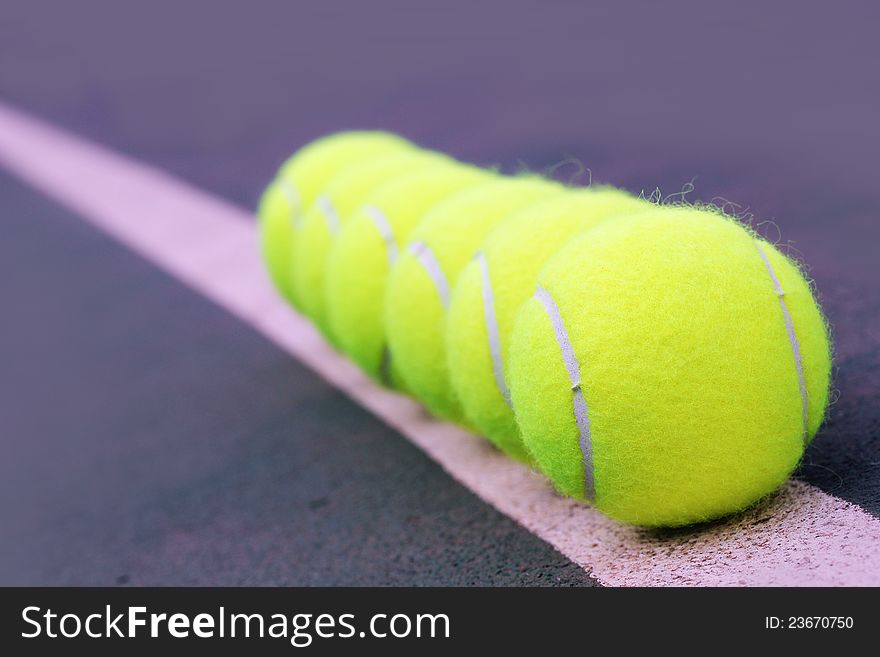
802, 536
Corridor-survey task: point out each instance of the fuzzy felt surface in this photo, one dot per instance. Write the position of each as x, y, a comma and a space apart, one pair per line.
335, 206
274, 212
686, 366
513, 255
415, 312
359, 261
307, 171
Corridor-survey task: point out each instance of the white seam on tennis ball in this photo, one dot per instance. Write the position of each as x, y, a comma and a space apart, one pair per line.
426, 258
793, 340
579, 402
384, 227
492, 329
386, 232
293, 199
326, 207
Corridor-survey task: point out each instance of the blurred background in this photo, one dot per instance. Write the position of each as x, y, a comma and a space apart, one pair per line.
769, 106
736, 95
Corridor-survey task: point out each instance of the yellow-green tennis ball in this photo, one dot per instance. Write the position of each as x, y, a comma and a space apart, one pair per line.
275, 212
298, 183
332, 209
363, 253
492, 287
422, 279
670, 367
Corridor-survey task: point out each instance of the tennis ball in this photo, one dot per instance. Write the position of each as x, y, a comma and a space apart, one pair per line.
422, 279
364, 251
331, 211
670, 367
298, 183
492, 287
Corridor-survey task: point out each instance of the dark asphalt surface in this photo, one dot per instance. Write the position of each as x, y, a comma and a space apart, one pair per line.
154, 439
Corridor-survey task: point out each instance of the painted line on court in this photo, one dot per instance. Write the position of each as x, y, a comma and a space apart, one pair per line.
801, 536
